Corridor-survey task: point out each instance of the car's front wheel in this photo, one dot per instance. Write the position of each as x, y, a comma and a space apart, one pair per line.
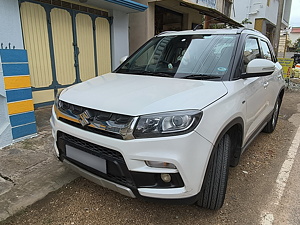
214, 186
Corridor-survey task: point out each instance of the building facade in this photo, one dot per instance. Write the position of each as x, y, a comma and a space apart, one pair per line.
294, 34
261, 15
165, 15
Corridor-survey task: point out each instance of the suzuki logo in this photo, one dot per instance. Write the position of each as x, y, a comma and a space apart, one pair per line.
84, 118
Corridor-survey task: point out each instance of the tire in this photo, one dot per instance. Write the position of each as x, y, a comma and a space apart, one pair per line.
214, 186
270, 126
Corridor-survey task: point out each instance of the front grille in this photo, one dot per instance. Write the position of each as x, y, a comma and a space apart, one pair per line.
117, 170
91, 129
96, 121
93, 149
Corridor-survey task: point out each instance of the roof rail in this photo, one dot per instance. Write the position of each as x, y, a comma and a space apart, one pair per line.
166, 32
243, 28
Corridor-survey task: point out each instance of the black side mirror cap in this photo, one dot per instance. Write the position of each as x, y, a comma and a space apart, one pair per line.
248, 75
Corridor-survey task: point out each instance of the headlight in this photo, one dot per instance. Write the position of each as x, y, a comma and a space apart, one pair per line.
56, 101
167, 124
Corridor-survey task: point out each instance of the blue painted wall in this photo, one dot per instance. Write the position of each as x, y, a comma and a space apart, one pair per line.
14, 64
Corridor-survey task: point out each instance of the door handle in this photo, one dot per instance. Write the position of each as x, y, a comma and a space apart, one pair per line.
266, 84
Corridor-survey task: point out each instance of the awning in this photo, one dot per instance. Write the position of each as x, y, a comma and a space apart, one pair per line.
129, 4
215, 14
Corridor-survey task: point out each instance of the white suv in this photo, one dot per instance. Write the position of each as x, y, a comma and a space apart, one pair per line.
169, 122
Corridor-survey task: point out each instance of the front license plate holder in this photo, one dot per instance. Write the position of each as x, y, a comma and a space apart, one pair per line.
86, 159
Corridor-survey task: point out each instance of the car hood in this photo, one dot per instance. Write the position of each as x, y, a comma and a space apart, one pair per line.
138, 95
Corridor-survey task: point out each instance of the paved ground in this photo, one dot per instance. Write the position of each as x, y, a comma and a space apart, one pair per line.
288, 209
250, 188
29, 169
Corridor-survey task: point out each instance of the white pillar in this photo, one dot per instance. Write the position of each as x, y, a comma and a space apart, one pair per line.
5, 127
119, 37
10, 37
10, 25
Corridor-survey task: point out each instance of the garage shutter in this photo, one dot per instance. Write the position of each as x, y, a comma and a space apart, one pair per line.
36, 40
61, 23
65, 46
85, 41
103, 46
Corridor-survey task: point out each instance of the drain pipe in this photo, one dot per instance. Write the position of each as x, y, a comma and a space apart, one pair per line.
278, 26
249, 10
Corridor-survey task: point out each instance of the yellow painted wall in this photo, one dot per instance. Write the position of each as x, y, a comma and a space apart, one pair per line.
43, 96
20, 107
258, 24
15, 82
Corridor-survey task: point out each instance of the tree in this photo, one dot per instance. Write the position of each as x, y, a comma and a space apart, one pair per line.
297, 45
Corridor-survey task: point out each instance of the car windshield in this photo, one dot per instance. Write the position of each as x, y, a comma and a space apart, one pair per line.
188, 56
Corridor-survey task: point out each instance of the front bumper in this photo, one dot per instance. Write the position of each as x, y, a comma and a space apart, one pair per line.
189, 153
98, 180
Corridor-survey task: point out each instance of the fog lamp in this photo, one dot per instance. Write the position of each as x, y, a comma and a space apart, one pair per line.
158, 164
165, 177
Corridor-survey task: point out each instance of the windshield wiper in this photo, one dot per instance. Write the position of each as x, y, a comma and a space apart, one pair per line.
159, 74
200, 77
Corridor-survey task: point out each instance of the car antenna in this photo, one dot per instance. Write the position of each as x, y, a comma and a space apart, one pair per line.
200, 25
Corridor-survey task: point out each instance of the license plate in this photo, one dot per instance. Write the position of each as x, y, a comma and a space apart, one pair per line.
86, 158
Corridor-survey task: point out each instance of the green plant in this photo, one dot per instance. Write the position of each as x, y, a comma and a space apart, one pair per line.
297, 45
246, 21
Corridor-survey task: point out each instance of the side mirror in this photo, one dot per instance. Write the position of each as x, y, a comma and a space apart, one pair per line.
123, 59
258, 68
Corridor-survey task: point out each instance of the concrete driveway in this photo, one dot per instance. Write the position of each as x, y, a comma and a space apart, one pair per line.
256, 194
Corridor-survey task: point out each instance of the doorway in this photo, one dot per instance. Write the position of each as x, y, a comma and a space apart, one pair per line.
167, 20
